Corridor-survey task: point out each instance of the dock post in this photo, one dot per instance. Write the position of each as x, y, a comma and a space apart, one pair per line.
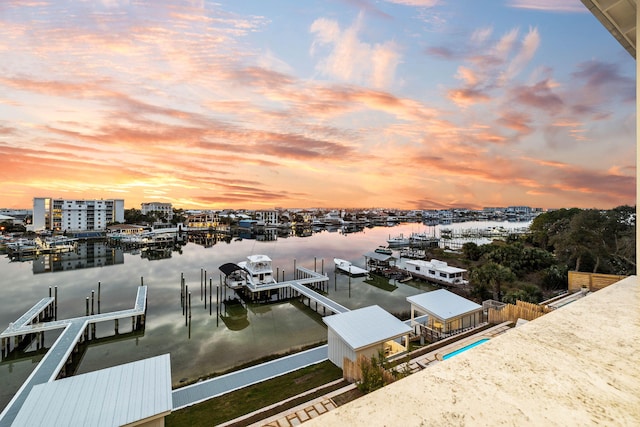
210, 295
87, 306
322, 271
141, 281
205, 288
55, 303
99, 297
116, 326
186, 310
277, 274
92, 299
182, 294
283, 275
294, 268
201, 272
314, 264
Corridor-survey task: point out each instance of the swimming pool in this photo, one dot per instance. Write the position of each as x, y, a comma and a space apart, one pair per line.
465, 348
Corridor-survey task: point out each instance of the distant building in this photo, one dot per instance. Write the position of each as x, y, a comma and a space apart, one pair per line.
203, 221
267, 218
163, 208
76, 215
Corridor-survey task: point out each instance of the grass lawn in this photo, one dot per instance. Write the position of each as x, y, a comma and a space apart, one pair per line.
252, 398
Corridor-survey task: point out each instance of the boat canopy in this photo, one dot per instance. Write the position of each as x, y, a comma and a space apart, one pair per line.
229, 268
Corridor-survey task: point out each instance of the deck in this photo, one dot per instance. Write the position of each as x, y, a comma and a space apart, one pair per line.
54, 360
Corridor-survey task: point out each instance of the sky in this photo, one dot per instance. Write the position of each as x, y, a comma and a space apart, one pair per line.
255, 104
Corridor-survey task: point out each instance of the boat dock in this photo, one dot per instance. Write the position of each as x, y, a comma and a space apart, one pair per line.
55, 361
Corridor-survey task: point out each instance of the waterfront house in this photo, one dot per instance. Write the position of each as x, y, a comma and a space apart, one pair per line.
436, 271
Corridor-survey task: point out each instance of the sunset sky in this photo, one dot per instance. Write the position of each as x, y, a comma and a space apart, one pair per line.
416, 104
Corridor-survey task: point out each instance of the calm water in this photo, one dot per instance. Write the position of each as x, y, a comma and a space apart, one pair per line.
212, 344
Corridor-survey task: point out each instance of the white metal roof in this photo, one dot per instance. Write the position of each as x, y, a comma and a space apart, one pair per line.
258, 258
110, 397
436, 265
366, 326
443, 304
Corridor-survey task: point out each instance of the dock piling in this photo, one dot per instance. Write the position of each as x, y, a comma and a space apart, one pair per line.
185, 311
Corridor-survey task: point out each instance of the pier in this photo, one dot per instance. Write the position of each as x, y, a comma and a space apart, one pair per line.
303, 285
76, 330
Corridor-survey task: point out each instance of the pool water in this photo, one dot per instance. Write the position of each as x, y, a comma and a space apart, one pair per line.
465, 348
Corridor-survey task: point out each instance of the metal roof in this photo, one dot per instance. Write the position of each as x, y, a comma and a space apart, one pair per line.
229, 268
110, 397
443, 304
619, 18
379, 257
434, 264
366, 326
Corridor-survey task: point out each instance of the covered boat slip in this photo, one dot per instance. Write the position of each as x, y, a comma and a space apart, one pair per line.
447, 312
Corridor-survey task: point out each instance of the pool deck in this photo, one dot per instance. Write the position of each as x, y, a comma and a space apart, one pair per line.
435, 356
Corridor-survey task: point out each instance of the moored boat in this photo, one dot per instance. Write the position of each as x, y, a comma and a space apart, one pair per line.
384, 250
349, 268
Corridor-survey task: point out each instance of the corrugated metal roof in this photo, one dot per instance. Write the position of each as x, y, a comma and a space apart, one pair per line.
366, 326
110, 397
443, 304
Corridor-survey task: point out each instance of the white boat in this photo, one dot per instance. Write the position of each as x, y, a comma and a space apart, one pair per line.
398, 241
255, 272
21, 244
349, 268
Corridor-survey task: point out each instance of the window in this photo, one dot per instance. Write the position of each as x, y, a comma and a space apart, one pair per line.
443, 274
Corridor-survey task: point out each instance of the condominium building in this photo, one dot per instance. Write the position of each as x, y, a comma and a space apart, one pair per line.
164, 208
76, 215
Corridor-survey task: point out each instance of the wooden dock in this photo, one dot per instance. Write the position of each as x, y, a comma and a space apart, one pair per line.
55, 361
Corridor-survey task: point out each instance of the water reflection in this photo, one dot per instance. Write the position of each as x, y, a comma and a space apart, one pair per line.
212, 343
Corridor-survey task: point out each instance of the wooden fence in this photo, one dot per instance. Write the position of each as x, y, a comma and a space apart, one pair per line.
592, 281
351, 371
521, 310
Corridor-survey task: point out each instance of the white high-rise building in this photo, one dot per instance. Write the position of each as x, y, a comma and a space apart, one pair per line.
76, 215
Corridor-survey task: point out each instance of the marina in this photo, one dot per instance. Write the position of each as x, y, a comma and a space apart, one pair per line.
203, 344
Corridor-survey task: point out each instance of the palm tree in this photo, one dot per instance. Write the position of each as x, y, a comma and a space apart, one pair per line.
492, 275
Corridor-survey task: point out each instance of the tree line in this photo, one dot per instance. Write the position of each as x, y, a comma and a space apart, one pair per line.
532, 266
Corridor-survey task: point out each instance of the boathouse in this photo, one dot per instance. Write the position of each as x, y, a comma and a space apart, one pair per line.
137, 393
364, 332
447, 313
378, 261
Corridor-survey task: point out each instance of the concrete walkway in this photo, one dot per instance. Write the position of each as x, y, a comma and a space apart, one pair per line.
205, 390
